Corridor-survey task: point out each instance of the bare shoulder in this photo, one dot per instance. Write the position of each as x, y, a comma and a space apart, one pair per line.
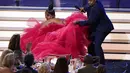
54, 20
58, 20
46, 22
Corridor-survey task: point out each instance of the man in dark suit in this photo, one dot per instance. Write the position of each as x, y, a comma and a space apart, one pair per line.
100, 26
89, 68
28, 61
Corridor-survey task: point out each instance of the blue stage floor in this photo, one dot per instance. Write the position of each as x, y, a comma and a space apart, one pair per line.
114, 66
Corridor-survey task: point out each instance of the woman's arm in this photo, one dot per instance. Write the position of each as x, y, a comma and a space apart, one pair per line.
58, 21
45, 23
55, 20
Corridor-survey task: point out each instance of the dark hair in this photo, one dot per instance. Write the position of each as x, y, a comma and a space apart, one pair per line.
18, 57
101, 69
88, 59
29, 59
61, 65
52, 12
50, 9
26, 70
18, 52
14, 43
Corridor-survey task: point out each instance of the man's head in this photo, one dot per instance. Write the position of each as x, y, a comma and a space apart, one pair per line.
29, 59
88, 59
91, 2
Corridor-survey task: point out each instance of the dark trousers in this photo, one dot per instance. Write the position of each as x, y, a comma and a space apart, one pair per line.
95, 48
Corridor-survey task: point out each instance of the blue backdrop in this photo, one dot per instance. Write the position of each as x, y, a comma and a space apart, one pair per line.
66, 3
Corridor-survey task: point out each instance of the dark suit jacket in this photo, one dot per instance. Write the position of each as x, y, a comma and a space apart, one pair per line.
87, 69
31, 69
97, 18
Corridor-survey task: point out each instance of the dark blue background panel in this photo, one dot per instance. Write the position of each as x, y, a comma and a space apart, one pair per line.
66, 3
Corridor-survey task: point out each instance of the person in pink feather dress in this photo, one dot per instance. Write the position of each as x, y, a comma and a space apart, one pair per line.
57, 36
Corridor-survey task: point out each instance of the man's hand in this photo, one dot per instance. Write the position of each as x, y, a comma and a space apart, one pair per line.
76, 22
79, 22
80, 9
